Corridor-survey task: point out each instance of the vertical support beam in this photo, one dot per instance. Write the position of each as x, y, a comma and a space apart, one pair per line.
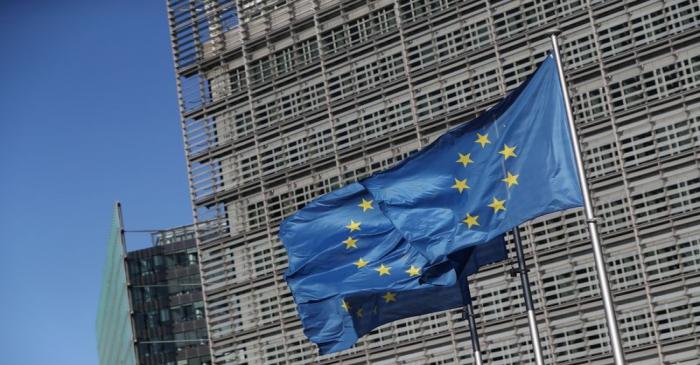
264, 191
122, 239
527, 296
601, 267
190, 174
407, 72
326, 91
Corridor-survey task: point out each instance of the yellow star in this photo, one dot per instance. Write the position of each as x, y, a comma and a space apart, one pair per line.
345, 306
482, 140
366, 204
413, 271
465, 159
360, 263
389, 297
511, 179
471, 220
497, 205
508, 151
460, 185
360, 313
350, 243
353, 226
383, 270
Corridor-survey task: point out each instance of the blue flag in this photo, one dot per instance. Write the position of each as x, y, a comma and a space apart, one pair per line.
513, 163
350, 270
373, 251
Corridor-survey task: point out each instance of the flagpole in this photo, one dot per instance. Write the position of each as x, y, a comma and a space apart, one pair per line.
527, 296
600, 265
476, 349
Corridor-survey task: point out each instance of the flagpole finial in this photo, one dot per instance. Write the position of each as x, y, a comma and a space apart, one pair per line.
553, 31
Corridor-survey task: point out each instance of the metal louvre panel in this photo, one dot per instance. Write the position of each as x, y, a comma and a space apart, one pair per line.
303, 96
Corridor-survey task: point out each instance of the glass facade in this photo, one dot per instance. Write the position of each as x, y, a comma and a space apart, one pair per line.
296, 98
151, 309
166, 293
115, 336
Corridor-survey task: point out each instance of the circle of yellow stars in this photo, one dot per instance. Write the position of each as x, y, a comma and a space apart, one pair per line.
510, 179
465, 159
383, 270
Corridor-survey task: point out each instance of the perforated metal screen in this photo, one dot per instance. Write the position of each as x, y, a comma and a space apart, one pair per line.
283, 101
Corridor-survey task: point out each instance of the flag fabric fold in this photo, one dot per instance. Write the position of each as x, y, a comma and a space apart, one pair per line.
513, 163
350, 271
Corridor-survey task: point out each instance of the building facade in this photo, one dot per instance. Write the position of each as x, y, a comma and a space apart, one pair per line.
283, 101
158, 318
114, 328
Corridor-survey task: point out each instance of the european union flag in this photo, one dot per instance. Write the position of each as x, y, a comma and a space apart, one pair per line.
350, 270
513, 163
373, 251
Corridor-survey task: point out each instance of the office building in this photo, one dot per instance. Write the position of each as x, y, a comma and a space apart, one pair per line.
283, 101
151, 310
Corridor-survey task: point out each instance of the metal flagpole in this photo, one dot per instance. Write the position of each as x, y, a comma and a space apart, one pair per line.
527, 296
469, 314
590, 218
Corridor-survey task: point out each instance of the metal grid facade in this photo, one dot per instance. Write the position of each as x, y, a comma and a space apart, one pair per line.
283, 101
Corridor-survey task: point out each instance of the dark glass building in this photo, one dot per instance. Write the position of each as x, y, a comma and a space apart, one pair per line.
163, 320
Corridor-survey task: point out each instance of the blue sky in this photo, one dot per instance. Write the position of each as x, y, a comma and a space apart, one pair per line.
88, 116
